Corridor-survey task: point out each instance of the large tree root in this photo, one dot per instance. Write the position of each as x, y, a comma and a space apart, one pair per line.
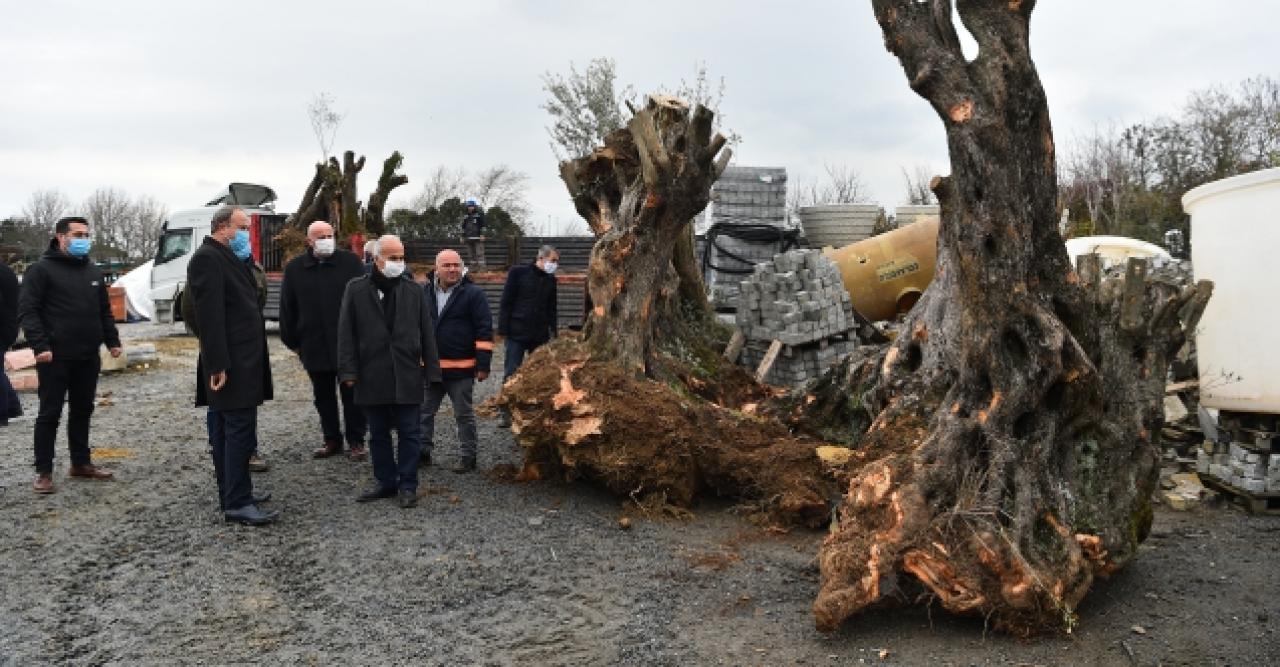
646, 439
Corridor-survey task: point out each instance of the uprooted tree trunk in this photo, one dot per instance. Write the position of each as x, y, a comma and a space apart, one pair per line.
644, 403
1010, 455
332, 196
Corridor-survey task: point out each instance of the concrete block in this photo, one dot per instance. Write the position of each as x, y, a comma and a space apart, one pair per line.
16, 360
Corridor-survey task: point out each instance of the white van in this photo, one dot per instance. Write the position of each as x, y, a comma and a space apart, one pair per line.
184, 231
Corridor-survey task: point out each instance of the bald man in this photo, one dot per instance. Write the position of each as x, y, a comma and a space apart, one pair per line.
386, 351
310, 299
464, 336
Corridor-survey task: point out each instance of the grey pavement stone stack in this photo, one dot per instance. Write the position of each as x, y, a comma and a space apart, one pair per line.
910, 214
1251, 468
838, 225
798, 298
746, 224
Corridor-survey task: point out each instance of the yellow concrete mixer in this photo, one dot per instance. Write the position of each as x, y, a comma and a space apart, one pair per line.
886, 274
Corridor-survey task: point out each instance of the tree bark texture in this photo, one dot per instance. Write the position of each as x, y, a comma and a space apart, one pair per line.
387, 181
645, 404
350, 222
1010, 451
639, 194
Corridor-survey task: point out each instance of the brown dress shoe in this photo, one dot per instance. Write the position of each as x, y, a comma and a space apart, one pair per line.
330, 448
90, 471
43, 483
258, 464
357, 453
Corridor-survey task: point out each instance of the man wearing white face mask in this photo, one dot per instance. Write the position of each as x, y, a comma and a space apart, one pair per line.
310, 298
527, 312
386, 351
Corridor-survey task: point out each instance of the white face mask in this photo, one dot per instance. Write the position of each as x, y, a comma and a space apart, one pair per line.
392, 269
549, 266
324, 247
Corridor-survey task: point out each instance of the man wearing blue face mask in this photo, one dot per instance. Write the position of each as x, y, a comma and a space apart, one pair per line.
233, 373
66, 315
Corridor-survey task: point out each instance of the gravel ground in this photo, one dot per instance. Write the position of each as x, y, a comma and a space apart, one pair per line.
143, 570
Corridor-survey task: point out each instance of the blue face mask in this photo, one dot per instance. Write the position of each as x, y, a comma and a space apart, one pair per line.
79, 247
240, 244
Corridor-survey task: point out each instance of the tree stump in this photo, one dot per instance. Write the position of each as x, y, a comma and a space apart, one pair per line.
645, 403
1010, 446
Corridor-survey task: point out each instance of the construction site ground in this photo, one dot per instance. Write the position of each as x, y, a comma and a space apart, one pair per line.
485, 571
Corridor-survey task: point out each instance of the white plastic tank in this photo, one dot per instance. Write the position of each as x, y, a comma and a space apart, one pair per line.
1235, 242
1115, 250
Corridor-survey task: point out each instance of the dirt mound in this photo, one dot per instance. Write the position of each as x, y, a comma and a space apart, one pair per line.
643, 439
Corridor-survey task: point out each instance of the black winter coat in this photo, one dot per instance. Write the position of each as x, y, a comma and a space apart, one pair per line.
310, 299
464, 330
527, 312
389, 365
64, 307
233, 337
8, 307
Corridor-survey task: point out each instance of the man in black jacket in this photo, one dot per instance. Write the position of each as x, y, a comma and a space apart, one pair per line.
472, 224
310, 298
386, 351
233, 372
10, 406
464, 336
66, 315
527, 312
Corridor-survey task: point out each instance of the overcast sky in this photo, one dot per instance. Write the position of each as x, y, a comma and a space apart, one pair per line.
176, 99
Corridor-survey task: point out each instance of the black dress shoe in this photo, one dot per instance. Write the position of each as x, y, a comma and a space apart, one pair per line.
251, 515
407, 498
376, 493
465, 465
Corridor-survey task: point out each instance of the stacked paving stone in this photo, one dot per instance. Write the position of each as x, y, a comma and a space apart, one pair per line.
798, 299
747, 203
1253, 469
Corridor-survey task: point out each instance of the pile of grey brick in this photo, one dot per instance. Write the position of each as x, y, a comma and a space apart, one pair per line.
798, 299
745, 202
1251, 467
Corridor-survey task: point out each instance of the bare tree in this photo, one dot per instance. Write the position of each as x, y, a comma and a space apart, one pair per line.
109, 212
917, 184
324, 122
442, 184
839, 184
141, 236
503, 186
45, 207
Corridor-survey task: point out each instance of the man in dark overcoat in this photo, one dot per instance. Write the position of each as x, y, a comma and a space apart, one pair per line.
310, 298
233, 373
387, 352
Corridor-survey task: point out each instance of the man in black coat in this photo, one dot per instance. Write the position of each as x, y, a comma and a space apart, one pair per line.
310, 298
66, 314
527, 312
233, 373
10, 406
386, 351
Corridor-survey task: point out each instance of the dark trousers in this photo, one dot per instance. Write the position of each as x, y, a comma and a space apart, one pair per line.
514, 356
210, 421
233, 434
322, 385
73, 382
396, 469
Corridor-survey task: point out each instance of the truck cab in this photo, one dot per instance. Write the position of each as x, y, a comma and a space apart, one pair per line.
185, 230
